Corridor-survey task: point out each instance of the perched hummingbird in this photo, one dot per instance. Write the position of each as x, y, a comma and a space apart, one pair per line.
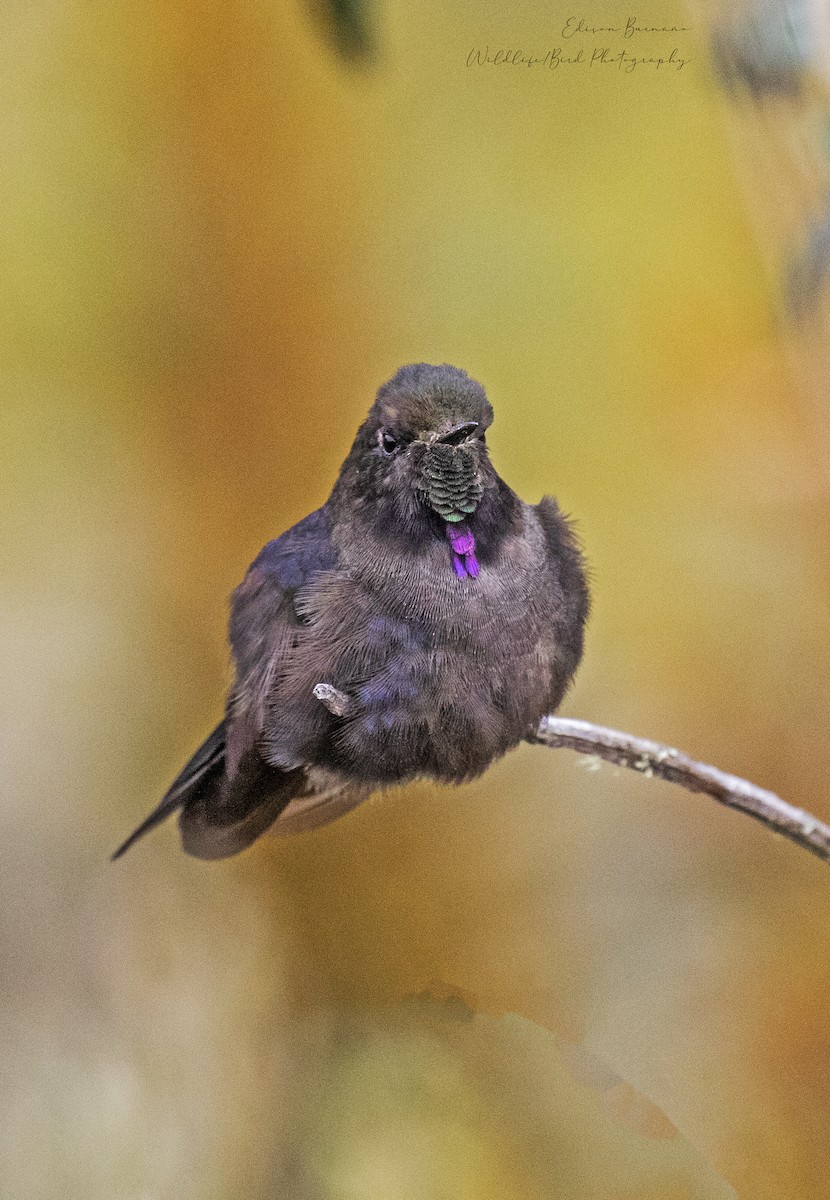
418, 625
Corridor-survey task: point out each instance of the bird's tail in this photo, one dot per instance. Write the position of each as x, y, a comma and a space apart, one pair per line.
205, 768
218, 817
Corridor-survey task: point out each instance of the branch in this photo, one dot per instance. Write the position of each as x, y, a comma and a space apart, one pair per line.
650, 758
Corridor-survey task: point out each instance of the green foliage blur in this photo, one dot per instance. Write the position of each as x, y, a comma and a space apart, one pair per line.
219, 235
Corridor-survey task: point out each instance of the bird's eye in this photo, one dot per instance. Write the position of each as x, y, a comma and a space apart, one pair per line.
388, 441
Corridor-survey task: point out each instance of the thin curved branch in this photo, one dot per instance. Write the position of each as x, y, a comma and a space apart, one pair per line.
652, 759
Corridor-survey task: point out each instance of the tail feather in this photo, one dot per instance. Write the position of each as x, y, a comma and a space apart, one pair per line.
205, 834
207, 765
222, 820
313, 810
219, 816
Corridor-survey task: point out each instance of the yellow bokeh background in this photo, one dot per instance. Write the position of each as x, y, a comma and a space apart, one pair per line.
218, 238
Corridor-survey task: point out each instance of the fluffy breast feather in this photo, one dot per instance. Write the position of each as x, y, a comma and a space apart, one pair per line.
443, 674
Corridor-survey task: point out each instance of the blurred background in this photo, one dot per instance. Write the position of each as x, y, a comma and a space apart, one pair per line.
223, 226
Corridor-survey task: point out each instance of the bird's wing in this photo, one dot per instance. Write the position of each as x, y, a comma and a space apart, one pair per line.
265, 625
569, 578
264, 629
227, 794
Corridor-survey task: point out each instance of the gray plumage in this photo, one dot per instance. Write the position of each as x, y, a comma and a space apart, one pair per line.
443, 615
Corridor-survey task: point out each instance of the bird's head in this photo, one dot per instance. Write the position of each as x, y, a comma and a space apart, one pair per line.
422, 447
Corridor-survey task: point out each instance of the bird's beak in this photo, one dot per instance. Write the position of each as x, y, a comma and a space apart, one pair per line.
459, 433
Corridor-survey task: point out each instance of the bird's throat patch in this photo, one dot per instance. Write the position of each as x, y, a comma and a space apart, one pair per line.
463, 546
450, 481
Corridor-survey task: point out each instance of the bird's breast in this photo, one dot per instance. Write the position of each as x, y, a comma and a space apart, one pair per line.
442, 674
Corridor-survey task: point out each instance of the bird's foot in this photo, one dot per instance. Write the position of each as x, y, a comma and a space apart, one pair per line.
337, 702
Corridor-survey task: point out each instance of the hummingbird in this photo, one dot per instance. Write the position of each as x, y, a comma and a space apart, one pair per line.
416, 626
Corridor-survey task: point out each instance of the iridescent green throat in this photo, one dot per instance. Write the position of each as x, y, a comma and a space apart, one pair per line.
450, 480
